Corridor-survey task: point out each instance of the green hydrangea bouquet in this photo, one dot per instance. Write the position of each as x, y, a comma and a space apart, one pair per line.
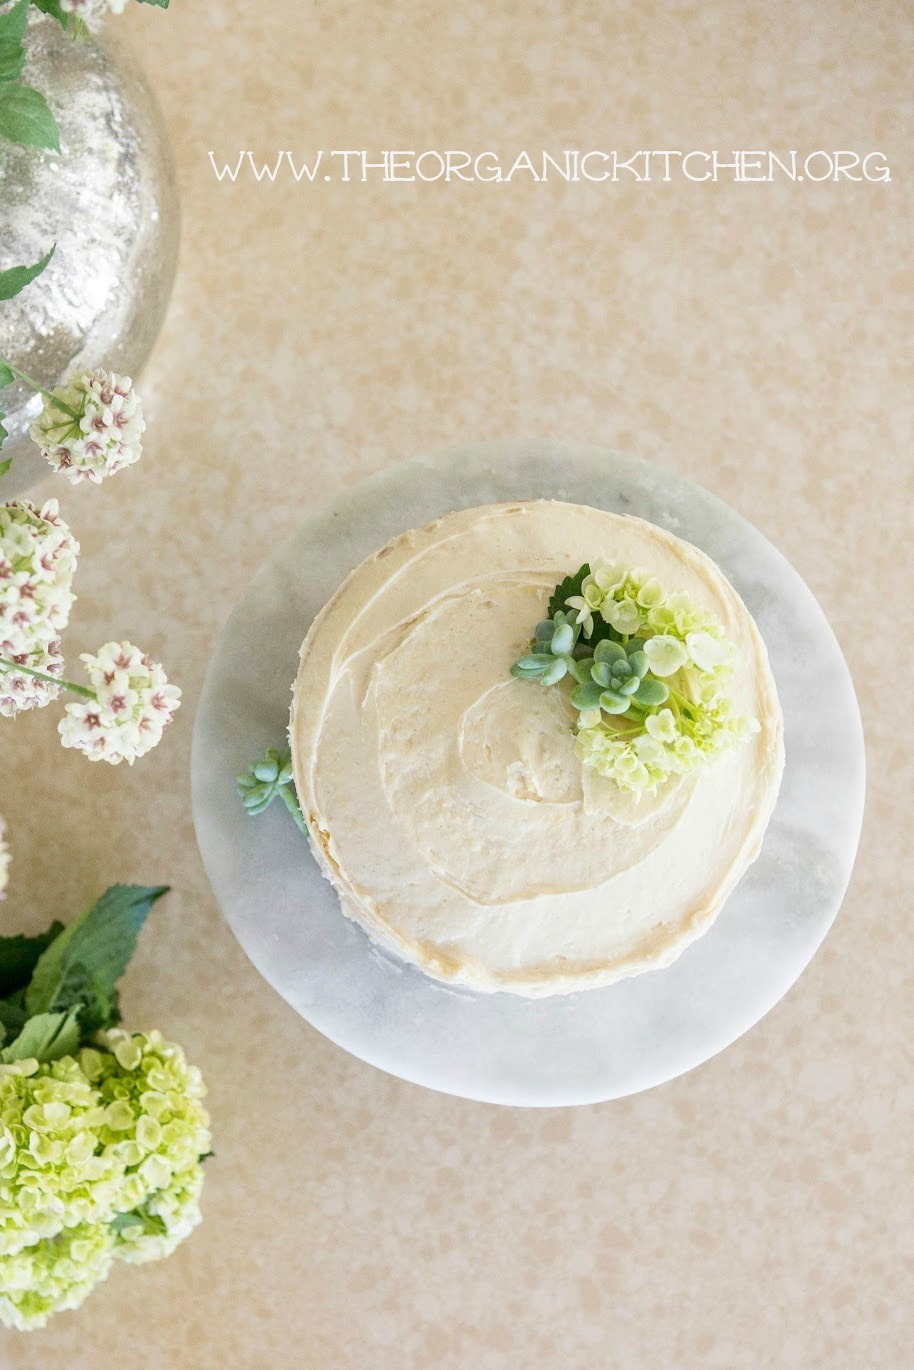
102, 1131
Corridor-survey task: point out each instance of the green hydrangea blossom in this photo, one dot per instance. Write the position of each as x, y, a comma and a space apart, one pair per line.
53, 1274
652, 673
55, 1171
153, 1231
104, 1147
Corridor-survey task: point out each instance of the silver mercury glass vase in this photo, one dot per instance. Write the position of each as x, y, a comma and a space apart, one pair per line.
110, 201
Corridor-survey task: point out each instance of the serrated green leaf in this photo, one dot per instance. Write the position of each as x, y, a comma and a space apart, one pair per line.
162, 4
19, 956
14, 279
6, 377
4, 465
571, 585
102, 940
46, 1037
13, 23
26, 118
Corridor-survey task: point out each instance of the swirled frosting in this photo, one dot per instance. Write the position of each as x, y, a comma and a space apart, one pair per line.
443, 797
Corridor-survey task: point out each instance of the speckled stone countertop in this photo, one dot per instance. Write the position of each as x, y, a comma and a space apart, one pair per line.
755, 337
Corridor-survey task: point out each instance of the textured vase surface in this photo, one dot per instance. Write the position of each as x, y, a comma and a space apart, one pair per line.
109, 200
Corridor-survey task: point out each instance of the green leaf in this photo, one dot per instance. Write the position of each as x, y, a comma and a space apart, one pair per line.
13, 23
19, 955
12, 1017
46, 1037
162, 4
26, 119
608, 651
52, 7
613, 702
6, 376
14, 279
571, 585
12, 60
151, 1223
101, 941
651, 692
97, 1001
4, 465
586, 696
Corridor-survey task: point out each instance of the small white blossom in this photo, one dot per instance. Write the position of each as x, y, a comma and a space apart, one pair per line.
583, 613
622, 615
37, 560
92, 9
20, 691
132, 705
650, 751
608, 576
662, 726
706, 651
91, 427
666, 654
651, 595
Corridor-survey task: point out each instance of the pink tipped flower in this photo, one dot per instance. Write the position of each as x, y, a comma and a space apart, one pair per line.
130, 706
37, 560
91, 427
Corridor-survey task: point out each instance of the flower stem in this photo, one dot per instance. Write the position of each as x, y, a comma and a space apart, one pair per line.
51, 679
290, 799
41, 390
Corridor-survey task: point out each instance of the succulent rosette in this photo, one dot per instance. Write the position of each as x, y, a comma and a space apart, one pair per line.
37, 561
650, 673
102, 1131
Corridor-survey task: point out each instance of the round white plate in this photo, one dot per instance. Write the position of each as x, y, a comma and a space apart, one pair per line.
580, 1048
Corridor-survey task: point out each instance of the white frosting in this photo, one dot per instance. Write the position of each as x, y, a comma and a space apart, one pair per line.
443, 797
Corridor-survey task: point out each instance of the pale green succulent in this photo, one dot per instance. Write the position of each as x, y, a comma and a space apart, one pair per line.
633, 727
268, 779
616, 677
552, 656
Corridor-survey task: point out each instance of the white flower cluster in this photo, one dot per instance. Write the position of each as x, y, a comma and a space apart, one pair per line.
37, 560
91, 427
132, 704
92, 9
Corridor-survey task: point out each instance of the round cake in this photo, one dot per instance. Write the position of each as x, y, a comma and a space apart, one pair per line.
536, 745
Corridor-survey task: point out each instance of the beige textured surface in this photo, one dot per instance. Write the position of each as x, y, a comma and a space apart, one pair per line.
755, 337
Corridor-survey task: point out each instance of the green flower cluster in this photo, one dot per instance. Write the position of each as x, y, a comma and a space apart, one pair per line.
651, 673
99, 1160
54, 1274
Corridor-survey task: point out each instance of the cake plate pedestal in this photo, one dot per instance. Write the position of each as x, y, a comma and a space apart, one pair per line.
580, 1048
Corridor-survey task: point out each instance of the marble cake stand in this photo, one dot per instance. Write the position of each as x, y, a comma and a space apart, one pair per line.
582, 1048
